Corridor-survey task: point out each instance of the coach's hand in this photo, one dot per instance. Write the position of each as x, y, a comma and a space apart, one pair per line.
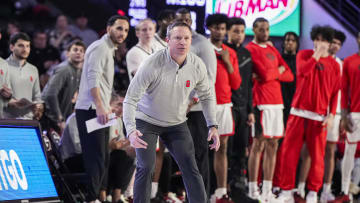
102, 115
214, 135
136, 141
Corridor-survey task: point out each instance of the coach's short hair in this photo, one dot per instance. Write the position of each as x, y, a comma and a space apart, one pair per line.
174, 25
113, 18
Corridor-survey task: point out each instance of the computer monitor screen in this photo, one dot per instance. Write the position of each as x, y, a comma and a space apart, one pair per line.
24, 172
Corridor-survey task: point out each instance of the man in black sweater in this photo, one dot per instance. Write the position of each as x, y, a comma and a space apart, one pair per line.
290, 48
241, 99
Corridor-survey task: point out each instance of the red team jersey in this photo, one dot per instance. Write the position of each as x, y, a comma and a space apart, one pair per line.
225, 81
324, 79
350, 98
267, 61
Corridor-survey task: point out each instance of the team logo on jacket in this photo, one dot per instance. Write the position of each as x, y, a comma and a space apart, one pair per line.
31, 78
270, 56
1, 72
188, 83
320, 66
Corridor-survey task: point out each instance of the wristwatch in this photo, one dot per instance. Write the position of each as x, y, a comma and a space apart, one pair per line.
214, 126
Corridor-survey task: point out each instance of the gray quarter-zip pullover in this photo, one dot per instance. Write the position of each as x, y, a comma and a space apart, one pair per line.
159, 92
25, 83
98, 71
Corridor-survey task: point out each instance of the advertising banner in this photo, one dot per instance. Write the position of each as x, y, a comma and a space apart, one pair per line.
283, 15
24, 173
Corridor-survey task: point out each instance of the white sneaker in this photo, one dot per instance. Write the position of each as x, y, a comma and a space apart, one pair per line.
276, 190
311, 197
301, 192
286, 197
171, 198
255, 195
326, 196
270, 198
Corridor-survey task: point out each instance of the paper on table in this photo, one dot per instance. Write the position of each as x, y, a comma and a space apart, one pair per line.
93, 124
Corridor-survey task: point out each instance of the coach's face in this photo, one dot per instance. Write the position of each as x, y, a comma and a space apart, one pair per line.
118, 31
179, 40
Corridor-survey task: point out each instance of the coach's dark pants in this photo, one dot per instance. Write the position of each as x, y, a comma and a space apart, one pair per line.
180, 144
95, 151
199, 132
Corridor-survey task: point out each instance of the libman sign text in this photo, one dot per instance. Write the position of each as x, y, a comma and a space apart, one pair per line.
283, 15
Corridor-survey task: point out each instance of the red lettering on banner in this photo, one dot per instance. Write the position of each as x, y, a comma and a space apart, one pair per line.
269, 4
285, 2
252, 6
242, 7
219, 8
229, 9
238, 8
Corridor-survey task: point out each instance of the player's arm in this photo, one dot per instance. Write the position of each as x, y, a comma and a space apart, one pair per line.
305, 63
260, 69
235, 77
286, 75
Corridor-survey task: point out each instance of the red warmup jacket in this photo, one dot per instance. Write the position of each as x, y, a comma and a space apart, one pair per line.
350, 93
266, 63
317, 83
225, 81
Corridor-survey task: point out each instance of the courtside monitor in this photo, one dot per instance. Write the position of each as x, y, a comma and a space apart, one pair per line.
24, 172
